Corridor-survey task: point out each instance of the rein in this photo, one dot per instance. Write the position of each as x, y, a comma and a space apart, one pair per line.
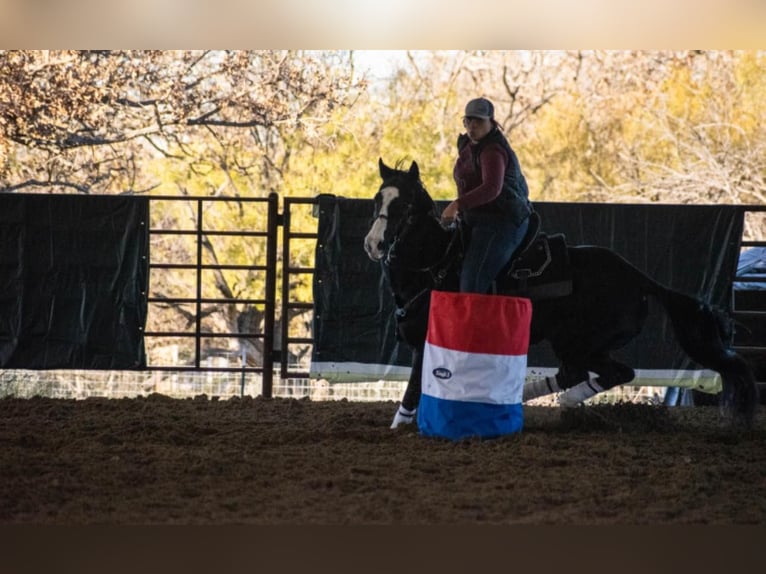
390, 253
437, 270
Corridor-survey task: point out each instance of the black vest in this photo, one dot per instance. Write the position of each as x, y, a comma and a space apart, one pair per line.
513, 201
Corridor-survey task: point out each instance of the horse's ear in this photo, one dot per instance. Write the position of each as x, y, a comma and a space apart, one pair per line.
385, 171
415, 170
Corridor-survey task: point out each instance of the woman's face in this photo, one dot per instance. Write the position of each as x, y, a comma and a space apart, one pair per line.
476, 128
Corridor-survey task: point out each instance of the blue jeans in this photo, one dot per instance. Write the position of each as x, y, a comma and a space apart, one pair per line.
489, 249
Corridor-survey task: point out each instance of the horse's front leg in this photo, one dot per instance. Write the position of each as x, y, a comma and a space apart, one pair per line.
405, 413
567, 377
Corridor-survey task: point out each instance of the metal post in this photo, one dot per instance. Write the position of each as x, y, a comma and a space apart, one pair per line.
270, 306
198, 320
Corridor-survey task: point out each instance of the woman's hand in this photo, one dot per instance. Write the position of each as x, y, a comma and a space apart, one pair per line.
450, 213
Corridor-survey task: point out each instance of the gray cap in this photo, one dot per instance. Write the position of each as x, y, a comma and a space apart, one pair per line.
480, 108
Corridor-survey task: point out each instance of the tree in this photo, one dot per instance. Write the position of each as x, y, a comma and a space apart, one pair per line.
175, 122
84, 120
417, 116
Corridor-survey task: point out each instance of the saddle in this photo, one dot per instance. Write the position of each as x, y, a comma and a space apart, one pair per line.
539, 268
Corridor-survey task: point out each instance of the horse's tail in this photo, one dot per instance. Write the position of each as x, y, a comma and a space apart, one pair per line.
705, 333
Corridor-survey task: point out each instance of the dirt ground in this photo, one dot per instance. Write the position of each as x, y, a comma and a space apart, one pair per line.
157, 460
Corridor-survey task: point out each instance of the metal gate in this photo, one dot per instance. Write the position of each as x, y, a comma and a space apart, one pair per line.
749, 310
274, 349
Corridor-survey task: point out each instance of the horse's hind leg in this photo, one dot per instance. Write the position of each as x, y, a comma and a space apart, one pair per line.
610, 373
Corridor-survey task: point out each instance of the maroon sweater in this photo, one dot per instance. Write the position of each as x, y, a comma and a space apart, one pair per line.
474, 188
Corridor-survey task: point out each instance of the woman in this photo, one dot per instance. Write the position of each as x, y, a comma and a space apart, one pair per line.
493, 199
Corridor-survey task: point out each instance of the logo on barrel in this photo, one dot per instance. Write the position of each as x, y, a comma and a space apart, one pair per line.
442, 373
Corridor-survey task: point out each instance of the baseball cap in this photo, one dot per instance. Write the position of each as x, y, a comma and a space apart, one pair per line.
480, 108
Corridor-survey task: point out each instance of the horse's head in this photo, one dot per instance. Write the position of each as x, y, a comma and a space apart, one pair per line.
400, 202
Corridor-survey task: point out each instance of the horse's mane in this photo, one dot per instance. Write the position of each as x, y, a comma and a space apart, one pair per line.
399, 165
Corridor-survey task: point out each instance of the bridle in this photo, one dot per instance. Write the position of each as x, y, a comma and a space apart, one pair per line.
437, 269
403, 228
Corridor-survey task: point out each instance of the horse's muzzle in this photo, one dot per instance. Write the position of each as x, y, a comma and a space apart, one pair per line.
374, 248
374, 241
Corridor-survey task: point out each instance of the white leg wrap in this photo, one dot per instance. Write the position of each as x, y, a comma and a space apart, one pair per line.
403, 417
580, 392
540, 388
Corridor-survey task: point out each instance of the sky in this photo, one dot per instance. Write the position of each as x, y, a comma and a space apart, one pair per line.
381, 64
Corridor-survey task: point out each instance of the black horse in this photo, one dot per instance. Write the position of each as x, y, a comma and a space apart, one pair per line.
596, 303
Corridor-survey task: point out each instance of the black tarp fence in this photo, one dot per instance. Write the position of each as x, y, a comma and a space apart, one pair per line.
74, 274
691, 248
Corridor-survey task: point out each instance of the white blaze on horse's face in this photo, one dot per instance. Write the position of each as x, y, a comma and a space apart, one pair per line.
373, 242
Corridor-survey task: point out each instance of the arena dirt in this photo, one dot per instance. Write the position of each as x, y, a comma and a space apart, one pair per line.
157, 460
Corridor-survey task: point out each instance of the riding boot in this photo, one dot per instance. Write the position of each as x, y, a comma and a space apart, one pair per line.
580, 392
540, 388
403, 416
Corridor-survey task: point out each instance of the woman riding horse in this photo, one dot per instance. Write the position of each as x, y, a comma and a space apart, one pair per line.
606, 309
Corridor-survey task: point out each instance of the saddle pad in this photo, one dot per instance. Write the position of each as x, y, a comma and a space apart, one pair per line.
541, 272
